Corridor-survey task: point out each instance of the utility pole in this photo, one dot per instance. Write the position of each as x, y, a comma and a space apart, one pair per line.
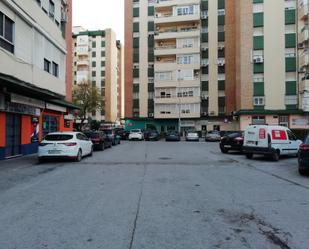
179, 102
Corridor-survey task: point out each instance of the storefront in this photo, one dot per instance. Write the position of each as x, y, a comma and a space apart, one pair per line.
27, 115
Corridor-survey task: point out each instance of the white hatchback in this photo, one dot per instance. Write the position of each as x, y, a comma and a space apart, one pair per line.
136, 134
73, 145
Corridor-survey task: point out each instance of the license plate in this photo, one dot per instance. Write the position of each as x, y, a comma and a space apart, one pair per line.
227, 146
250, 142
53, 152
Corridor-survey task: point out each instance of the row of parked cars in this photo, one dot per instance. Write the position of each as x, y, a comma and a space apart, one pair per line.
272, 141
76, 145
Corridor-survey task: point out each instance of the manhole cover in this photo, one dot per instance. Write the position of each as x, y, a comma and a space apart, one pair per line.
165, 158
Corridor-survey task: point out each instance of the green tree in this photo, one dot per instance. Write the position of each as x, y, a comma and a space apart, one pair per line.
88, 99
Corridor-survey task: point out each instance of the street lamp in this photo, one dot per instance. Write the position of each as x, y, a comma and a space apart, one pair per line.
179, 102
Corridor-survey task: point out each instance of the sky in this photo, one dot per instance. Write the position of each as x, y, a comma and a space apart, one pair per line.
100, 14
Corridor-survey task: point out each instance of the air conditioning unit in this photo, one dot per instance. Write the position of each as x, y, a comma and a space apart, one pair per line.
204, 114
258, 59
221, 48
221, 63
204, 49
150, 115
204, 64
212, 113
204, 97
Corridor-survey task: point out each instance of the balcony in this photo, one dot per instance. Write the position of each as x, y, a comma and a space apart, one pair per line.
82, 63
196, 82
304, 59
304, 85
175, 100
172, 50
177, 33
168, 3
174, 115
304, 35
170, 18
303, 12
173, 65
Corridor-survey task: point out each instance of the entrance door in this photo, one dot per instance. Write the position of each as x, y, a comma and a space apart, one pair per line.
13, 135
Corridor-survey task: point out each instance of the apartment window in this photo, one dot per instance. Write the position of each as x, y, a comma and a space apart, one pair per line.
185, 10
94, 44
51, 9
258, 101
186, 74
94, 64
46, 65
6, 33
94, 73
94, 54
163, 75
55, 69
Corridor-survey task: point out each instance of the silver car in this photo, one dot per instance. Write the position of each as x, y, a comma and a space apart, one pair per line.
192, 136
213, 136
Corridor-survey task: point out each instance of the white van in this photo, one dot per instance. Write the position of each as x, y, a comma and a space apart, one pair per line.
270, 140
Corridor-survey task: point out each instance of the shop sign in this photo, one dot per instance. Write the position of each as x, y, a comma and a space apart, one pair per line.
300, 121
16, 98
53, 107
68, 117
22, 109
187, 123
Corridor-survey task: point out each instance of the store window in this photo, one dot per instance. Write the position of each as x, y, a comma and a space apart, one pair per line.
50, 124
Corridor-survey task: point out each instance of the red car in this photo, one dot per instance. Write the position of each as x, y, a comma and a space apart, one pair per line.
99, 139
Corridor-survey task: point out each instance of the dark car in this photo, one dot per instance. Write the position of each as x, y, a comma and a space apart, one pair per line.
122, 133
232, 141
112, 136
303, 157
99, 139
172, 136
153, 136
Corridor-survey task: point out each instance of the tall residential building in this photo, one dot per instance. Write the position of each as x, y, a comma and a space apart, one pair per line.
303, 45
175, 65
212, 64
266, 61
32, 73
97, 59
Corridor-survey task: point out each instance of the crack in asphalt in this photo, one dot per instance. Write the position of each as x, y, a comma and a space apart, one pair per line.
139, 200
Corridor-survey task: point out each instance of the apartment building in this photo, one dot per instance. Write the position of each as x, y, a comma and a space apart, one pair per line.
175, 65
303, 53
213, 64
32, 73
273, 96
97, 58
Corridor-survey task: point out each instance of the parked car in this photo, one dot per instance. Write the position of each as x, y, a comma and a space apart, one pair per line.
136, 134
232, 141
270, 140
192, 136
112, 136
303, 157
99, 139
122, 133
73, 145
213, 136
153, 136
172, 136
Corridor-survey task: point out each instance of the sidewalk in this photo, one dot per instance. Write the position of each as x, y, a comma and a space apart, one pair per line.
18, 162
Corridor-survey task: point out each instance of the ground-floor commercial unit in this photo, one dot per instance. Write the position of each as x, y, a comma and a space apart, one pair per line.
200, 125
27, 114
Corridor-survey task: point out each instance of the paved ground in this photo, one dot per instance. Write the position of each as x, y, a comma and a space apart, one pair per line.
154, 195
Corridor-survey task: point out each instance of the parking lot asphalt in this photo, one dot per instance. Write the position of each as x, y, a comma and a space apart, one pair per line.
154, 195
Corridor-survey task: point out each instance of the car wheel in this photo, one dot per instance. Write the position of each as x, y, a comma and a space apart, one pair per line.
275, 156
249, 156
302, 172
79, 156
102, 146
224, 150
118, 141
91, 152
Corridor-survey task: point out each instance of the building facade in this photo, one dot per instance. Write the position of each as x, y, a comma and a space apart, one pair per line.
97, 59
213, 64
32, 73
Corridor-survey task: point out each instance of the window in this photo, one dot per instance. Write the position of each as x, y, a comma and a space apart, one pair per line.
185, 74
55, 69
185, 10
163, 76
46, 65
51, 9
259, 101
6, 33
291, 136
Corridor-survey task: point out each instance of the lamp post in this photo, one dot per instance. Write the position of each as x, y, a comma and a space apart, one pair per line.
179, 102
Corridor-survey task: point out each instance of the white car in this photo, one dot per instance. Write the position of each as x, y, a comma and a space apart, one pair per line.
73, 145
136, 134
270, 140
192, 136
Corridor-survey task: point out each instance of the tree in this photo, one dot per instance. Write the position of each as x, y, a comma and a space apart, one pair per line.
87, 98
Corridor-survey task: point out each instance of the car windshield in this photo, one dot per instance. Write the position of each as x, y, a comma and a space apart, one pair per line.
235, 134
172, 132
108, 131
306, 141
92, 135
213, 132
135, 131
58, 137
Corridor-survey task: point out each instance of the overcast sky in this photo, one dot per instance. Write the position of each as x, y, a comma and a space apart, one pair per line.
100, 14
